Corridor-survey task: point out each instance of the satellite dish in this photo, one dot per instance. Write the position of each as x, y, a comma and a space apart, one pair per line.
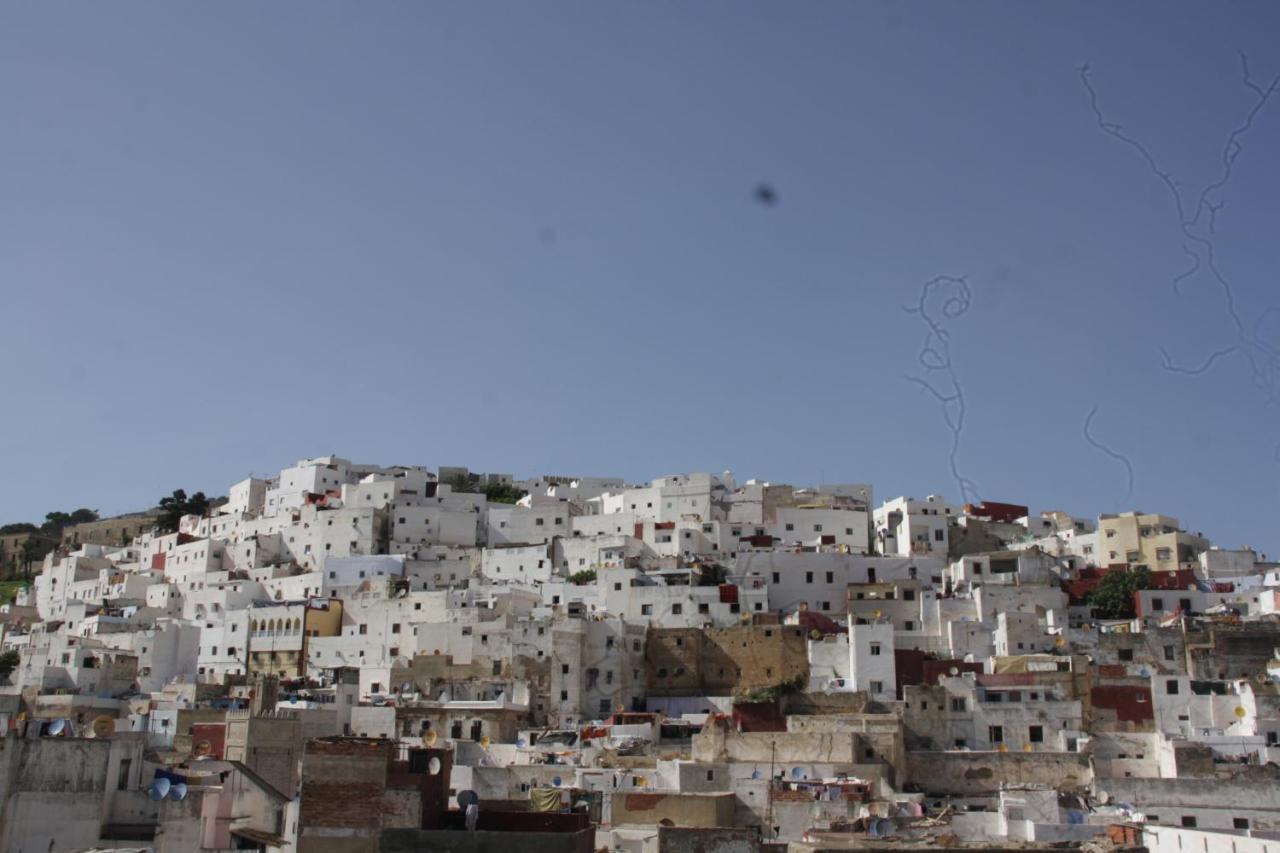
1026, 747
484, 741
520, 742
1059, 641
178, 791
433, 766
875, 613
885, 826
160, 789
1004, 747
755, 774
797, 773
103, 726
619, 708
430, 738
203, 749
1144, 673
557, 781
466, 798
1104, 797
57, 727
1240, 712
955, 670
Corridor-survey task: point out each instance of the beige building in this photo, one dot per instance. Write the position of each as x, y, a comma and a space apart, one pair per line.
1142, 539
109, 531
14, 552
279, 631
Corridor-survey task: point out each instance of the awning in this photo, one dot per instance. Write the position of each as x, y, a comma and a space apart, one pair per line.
257, 835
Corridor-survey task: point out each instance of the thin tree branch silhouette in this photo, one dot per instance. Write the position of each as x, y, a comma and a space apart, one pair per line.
1197, 220
935, 358
1119, 457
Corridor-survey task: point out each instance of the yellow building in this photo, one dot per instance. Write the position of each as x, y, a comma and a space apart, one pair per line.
1142, 539
279, 631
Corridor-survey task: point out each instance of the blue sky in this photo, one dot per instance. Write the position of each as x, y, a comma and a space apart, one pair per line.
522, 237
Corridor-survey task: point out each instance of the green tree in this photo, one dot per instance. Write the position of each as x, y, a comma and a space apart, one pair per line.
498, 493
1112, 598
174, 507
18, 527
503, 493
583, 577
712, 574
8, 663
54, 522
27, 556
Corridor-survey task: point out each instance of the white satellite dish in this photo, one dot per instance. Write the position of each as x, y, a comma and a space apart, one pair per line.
433, 766
178, 791
57, 727
160, 789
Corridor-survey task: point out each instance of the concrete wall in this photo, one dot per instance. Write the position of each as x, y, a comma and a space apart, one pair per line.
971, 773
650, 808
53, 792
687, 839
484, 841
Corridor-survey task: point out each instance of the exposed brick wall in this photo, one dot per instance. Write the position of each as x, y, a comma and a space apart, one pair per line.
724, 661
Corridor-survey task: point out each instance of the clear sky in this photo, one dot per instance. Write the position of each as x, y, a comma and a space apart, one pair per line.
523, 237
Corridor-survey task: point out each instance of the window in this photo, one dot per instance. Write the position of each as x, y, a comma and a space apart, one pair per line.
1171, 687
646, 609
957, 704
790, 526
711, 775
1126, 654
996, 733
908, 595
875, 649
808, 577
1189, 821
677, 609
604, 706
1158, 604
538, 522
908, 625
1035, 734
877, 687
364, 629
1239, 823
395, 628
1168, 652
831, 577
817, 528
939, 535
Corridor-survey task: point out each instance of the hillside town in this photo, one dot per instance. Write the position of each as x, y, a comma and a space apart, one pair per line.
351, 657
